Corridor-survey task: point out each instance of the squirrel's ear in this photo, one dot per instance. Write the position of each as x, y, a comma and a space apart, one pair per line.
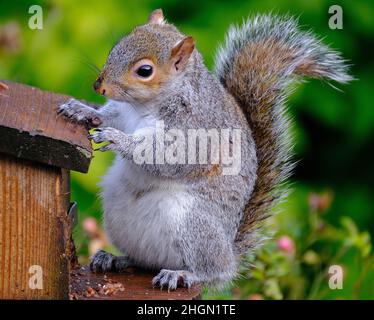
181, 52
156, 16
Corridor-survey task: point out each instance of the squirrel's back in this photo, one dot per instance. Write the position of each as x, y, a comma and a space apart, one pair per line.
257, 63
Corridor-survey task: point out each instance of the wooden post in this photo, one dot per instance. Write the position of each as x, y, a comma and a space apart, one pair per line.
36, 149
34, 230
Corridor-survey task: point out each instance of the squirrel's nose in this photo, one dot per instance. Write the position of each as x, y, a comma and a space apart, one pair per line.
97, 84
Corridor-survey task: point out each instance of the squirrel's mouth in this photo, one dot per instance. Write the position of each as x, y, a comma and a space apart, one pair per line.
111, 91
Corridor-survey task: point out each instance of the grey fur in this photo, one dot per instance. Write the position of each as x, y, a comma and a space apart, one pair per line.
262, 90
177, 217
285, 29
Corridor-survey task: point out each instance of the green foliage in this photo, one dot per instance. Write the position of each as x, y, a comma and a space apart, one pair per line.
295, 265
333, 129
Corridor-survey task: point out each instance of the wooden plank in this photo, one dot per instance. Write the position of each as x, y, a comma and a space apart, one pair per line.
31, 129
133, 284
34, 229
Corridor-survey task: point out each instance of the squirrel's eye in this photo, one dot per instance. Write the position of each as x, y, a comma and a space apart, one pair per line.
144, 71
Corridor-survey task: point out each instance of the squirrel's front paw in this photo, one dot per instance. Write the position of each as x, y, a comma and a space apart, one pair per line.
116, 138
77, 111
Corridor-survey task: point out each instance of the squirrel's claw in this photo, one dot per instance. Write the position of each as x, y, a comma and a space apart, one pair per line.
103, 261
171, 279
108, 134
97, 136
79, 112
104, 148
111, 135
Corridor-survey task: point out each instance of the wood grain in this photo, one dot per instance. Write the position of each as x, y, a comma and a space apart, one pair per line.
34, 229
31, 129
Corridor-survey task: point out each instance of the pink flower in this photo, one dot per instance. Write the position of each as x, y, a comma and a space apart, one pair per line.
320, 202
286, 244
90, 225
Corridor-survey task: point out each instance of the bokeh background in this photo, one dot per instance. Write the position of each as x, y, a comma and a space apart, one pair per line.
329, 217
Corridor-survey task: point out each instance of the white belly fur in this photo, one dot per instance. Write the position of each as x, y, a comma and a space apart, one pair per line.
143, 214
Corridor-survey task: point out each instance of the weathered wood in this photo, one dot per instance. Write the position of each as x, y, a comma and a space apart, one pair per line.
34, 229
31, 129
133, 284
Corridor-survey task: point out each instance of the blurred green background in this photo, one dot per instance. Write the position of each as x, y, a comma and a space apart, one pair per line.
329, 217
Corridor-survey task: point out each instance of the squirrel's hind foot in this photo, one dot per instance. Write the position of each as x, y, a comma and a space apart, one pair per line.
171, 279
106, 262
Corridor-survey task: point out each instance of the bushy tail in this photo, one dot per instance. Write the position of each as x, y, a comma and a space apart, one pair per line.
257, 64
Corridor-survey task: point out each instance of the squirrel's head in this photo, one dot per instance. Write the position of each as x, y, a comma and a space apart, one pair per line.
146, 62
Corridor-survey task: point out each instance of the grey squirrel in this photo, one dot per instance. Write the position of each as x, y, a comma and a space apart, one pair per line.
190, 220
